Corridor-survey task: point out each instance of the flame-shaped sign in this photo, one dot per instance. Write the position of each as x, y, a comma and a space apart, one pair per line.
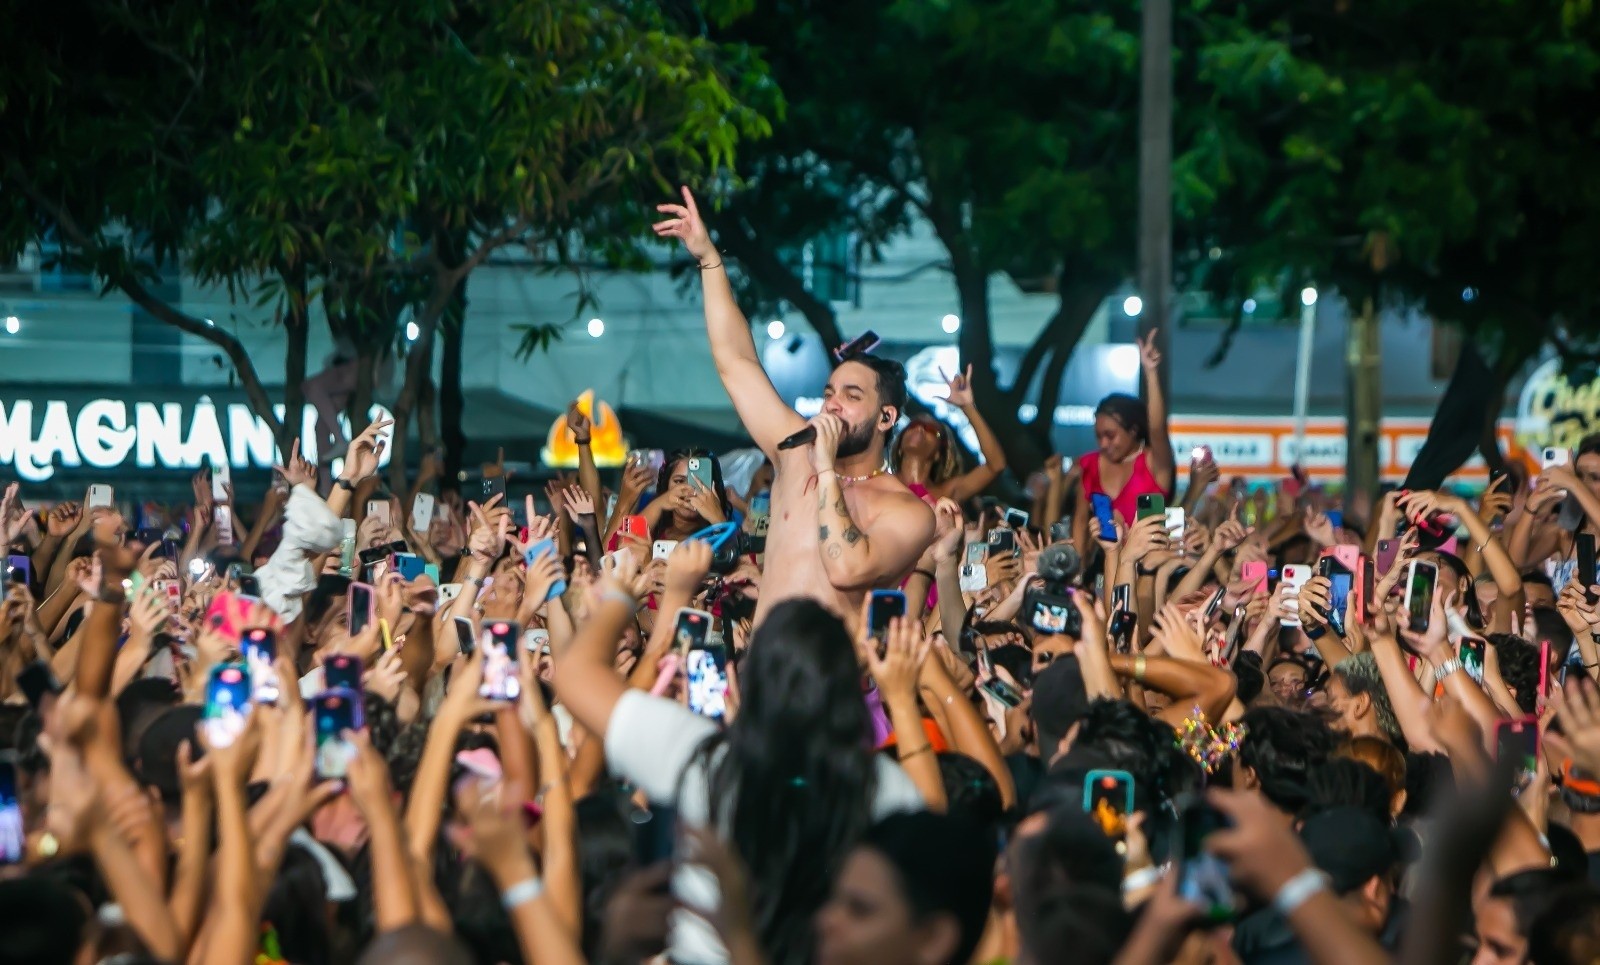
605, 438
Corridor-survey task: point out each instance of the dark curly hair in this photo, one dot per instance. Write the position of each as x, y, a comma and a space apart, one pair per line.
1283, 747
1519, 668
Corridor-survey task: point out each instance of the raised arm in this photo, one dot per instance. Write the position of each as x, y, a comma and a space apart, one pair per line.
760, 408
976, 480
1159, 451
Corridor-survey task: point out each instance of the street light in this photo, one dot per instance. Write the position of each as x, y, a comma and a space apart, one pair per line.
1132, 306
597, 328
951, 324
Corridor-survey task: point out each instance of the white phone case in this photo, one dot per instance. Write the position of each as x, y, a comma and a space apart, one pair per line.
663, 548
974, 578
1294, 577
422, 513
99, 495
221, 479
224, 520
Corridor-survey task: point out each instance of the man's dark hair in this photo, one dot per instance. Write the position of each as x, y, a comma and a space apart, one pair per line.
971, 790
1538, 577
1252, 678
1567, 930
158, 750
1531, 893
1283, 747
891, 381
1519, 667
1342, 782
1135, 742
1066, 885
956, 878
43, 920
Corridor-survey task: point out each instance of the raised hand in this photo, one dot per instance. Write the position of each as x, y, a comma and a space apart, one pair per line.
904, 648
683, 222
1319, 527
825, 448
579, 503
579, 424
64, 519
1149, 354
298, 471
541, 578
1495, 502
13, 518
361, 459
1578, 708
491, 524
704, 502
635, 480
949, 534
687, 567
960, 394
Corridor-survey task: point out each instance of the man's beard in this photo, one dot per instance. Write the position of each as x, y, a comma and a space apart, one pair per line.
856, 440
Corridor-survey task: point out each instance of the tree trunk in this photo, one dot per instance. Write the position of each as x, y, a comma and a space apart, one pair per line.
1155, 179
297, 331
761, 263
452, 400
1364, 421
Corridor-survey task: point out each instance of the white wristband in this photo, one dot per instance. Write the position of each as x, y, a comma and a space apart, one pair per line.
1299, 890
521, 893
1136, 881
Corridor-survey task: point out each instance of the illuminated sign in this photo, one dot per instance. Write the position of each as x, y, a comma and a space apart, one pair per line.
1554, 412
605, 437
113, 434
1264, 446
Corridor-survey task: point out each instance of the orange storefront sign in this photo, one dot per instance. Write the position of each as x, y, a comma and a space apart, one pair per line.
1264, 446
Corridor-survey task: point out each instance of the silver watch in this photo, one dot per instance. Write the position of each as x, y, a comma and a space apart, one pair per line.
1445, 669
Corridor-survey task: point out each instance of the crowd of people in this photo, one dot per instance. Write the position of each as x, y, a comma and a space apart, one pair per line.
853, 712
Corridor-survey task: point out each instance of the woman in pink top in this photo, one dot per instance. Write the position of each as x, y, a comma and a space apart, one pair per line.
926, 460
1134, 454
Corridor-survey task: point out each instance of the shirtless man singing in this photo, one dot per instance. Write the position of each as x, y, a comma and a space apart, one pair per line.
841, 525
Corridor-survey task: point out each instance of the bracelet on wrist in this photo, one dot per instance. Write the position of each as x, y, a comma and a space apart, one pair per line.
1299, 890
345, 484
521, 893
1141, 879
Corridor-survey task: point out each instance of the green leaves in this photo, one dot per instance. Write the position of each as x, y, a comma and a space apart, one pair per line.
375, 148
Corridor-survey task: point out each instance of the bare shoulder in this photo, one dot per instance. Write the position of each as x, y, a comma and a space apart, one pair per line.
894, 500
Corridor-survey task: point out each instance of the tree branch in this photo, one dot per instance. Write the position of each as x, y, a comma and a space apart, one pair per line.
760, 261
129, 284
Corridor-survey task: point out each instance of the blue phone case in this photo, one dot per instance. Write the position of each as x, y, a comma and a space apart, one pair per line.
545, 547
1102, 512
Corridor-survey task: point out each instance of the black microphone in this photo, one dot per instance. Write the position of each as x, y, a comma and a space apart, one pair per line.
801, 438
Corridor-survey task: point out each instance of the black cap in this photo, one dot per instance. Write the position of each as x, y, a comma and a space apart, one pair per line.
1060, 700
1352, 846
